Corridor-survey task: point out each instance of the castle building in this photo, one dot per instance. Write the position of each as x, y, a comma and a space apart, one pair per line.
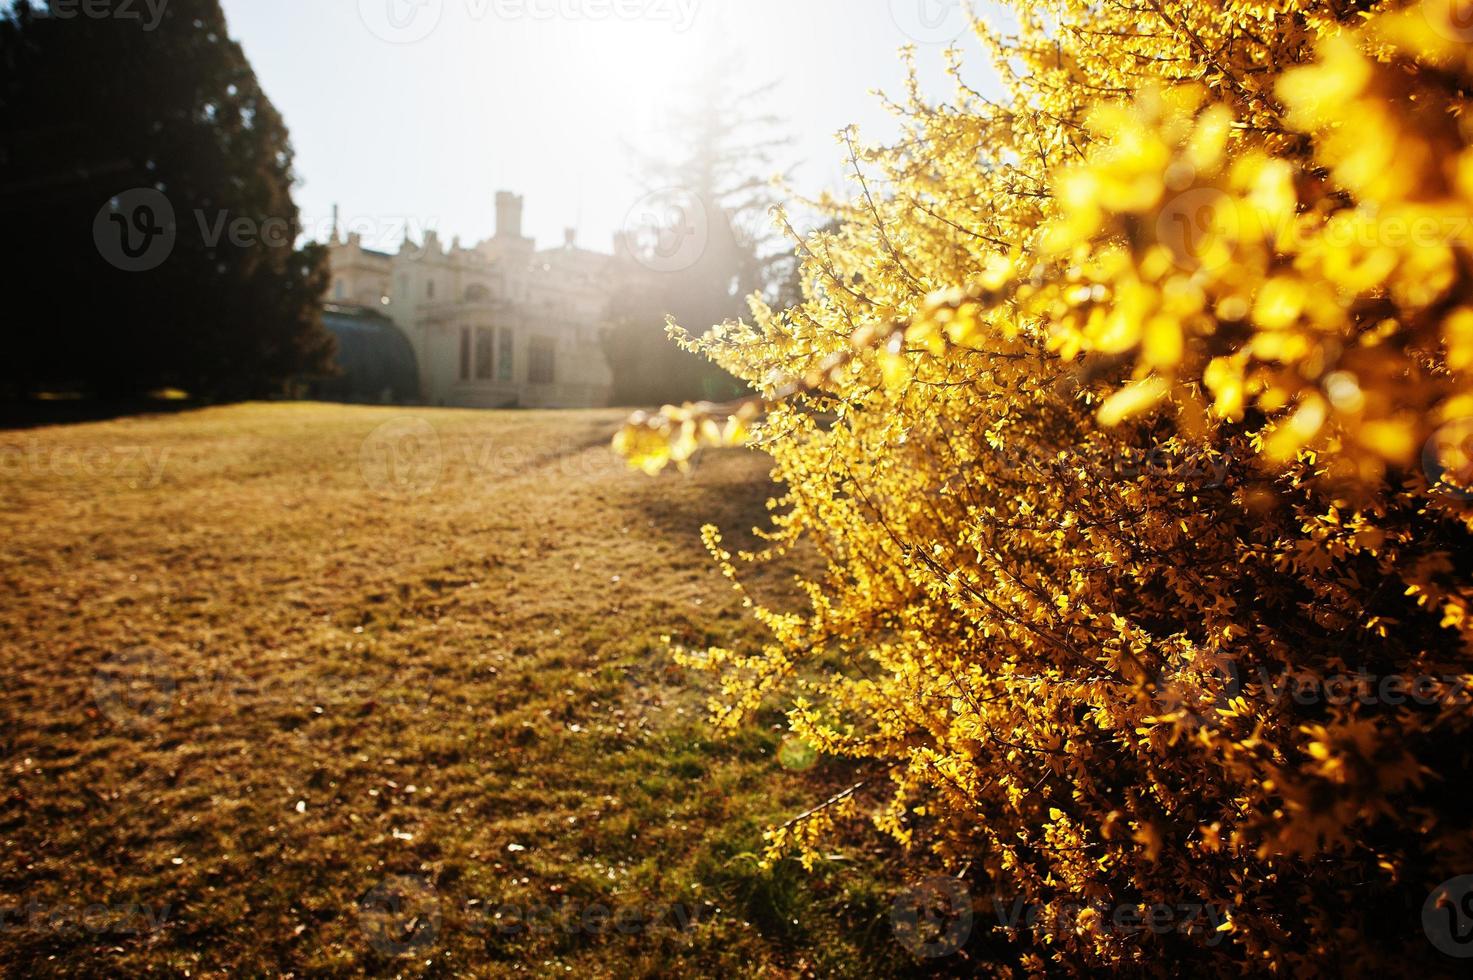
501, 324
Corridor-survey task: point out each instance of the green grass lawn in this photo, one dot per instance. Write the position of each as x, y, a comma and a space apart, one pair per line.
307, 689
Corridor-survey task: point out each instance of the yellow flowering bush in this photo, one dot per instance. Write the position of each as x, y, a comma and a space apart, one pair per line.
1129, 415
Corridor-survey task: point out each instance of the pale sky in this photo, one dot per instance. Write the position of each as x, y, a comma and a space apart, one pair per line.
418, 111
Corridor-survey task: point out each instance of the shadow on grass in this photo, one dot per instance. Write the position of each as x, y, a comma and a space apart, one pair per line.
721, 489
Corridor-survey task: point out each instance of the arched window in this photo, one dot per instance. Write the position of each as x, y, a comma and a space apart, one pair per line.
477, 293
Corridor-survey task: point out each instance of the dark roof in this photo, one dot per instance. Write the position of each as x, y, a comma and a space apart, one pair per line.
375, 359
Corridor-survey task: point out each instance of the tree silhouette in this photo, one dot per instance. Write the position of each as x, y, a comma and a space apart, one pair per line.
709, 198
145, 180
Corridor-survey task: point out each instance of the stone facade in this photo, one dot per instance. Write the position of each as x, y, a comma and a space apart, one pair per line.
498, 325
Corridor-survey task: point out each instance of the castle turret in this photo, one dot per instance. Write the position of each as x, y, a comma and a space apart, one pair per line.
508, 215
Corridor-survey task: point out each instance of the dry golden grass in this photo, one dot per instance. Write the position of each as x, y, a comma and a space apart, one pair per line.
260, 660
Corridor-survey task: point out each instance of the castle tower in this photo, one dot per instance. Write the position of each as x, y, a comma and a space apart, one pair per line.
508, 215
